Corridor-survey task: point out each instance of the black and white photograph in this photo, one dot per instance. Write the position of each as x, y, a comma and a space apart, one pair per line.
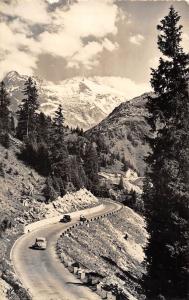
94, 150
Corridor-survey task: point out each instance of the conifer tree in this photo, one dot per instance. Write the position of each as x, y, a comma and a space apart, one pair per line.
121, 183
49, 192
167, 197
43, 143
91, 165
4, 115
59, 158
44, 124
27, 118
57, 135
4, 110
58, 122
12, 125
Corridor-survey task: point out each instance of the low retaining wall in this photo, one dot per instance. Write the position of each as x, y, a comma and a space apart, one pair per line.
53, 220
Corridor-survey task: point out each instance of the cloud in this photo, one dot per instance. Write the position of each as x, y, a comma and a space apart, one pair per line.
31, 29
53, 1
89, 18
17, 26
108, 45
19, 61
136, 39
34, 11
17, 50
129, 87
86, 56
16, 39
84, 19
59, 43
89, 54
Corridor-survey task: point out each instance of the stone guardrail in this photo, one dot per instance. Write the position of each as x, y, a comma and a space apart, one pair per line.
68, 229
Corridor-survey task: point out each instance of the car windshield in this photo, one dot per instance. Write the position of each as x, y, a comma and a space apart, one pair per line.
40, 240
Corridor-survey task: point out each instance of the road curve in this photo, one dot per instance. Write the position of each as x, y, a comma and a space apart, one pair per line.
41, 271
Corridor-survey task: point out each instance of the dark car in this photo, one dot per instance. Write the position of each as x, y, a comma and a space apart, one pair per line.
65, 219
83, 218
40, 243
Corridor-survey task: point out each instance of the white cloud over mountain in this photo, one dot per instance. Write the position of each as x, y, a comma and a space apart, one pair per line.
125, 85
59, 39
88, 55
18, 51
60, 33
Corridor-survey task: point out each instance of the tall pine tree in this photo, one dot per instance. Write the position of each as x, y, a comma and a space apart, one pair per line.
91, 166
27, 118
4, 115
43, 143
59, 158
57, 136
4, 109
167, 197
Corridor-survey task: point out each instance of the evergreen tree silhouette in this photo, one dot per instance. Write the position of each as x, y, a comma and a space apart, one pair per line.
27, 117
167, 198
4, 116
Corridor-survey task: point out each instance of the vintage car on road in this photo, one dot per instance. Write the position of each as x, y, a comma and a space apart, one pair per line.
40, 243
65, 219
82, 218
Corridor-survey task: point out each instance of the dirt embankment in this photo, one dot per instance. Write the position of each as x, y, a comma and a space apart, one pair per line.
111, 247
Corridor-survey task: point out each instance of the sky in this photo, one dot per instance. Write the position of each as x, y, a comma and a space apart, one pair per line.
59, 39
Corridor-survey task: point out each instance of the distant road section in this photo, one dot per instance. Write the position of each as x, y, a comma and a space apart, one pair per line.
41, 272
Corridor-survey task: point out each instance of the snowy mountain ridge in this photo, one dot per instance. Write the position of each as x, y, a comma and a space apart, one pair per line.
86, 101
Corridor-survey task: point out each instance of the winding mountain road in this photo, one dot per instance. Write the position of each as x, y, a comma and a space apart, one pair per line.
41, 271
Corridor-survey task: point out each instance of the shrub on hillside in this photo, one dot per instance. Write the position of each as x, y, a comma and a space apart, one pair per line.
5, 140
5, 224
134, 201
2, 172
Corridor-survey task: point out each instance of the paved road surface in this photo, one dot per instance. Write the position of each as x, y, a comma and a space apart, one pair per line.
41, 271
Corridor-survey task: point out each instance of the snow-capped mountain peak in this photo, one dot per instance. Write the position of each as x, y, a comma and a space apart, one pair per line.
85, 101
